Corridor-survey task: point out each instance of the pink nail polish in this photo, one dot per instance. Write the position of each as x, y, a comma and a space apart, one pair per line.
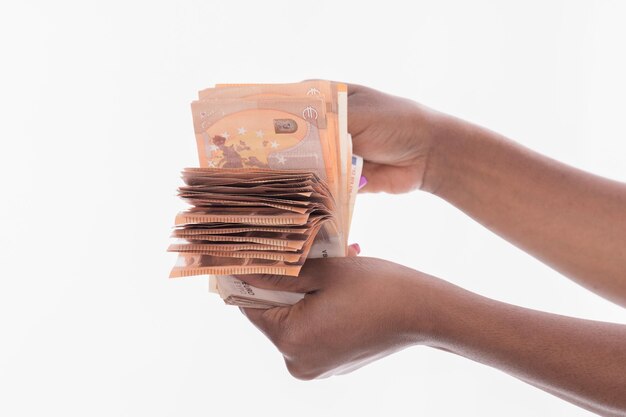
362, 182
356, 247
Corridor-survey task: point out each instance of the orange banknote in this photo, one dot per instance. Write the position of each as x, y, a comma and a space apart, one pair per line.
276, 184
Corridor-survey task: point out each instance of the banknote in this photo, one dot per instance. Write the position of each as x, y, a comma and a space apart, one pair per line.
236, 292
335, 96
277, 184
276, 133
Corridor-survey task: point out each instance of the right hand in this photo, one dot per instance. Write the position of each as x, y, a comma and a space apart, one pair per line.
393, 135
356, 310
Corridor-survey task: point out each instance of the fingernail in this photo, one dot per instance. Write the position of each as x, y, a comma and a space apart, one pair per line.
356, 247
362, 182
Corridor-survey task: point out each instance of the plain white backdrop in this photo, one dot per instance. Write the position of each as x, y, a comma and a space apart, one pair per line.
95, 126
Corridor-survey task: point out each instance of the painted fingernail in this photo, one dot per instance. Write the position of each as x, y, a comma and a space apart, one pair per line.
362, 182
356, 248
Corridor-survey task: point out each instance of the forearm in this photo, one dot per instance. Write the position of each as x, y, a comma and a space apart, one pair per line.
572, 220
581, 361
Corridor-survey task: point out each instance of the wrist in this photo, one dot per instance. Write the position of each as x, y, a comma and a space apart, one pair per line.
428, 308
439, 314
448, 140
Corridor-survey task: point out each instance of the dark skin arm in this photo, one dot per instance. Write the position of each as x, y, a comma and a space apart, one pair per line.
572, 220
360, 309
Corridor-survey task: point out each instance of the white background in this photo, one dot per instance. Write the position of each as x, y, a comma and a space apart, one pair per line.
95, 126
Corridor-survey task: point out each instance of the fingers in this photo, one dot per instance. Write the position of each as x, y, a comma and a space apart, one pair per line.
255, 315
362, 181
390, 179
373, 176
354, 249
281, 282
269, 322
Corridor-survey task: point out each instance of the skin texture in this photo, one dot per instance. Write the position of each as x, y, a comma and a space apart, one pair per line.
571, 220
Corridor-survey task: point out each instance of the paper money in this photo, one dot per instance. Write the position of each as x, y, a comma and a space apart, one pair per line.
206, 249
277, 184
236, 292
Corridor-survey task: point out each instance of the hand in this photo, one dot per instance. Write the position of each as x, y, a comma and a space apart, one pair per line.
356, 310
394, 136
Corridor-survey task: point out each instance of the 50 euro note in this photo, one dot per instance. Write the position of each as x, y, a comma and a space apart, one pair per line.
286, 133
276, 184
335, 96
236, 292
232, 233
241, 257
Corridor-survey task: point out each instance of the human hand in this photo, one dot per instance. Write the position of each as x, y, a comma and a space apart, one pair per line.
394, 136
356, 310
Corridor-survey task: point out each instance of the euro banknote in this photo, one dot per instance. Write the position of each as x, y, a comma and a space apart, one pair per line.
276, 185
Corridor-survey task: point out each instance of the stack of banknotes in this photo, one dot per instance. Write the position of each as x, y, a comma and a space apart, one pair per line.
276, 185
